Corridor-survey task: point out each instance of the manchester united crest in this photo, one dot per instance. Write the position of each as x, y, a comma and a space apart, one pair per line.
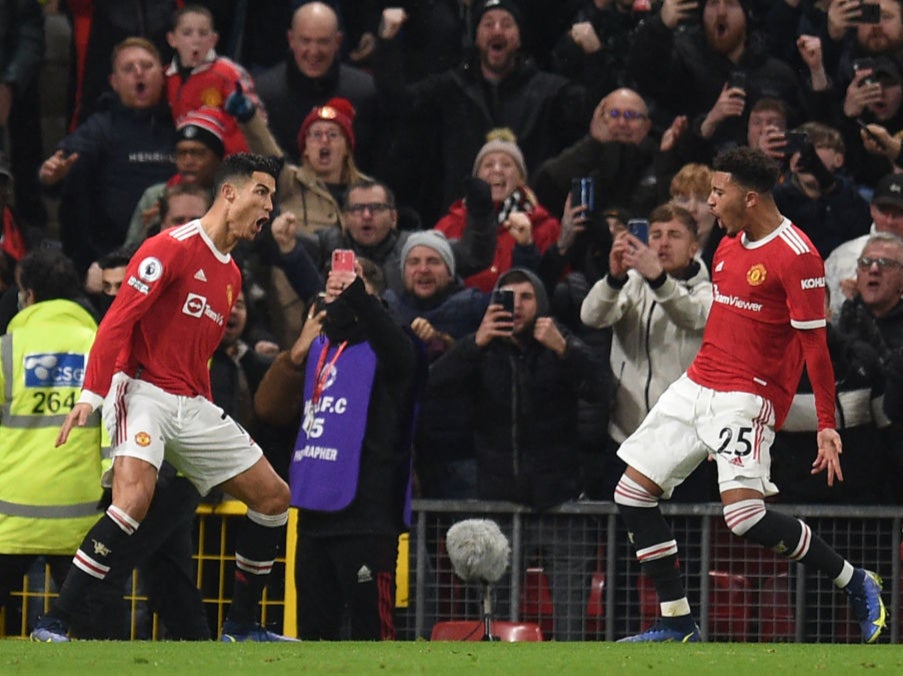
756, 274
229, 294
212, 97
143, 439
328, 113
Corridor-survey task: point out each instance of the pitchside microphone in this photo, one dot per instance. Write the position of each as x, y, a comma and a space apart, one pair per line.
478, 550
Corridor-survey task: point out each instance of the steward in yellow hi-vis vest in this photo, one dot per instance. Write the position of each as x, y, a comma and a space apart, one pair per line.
48, 495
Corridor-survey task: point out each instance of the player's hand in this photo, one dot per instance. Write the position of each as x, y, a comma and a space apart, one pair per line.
55, 167
546, 332
829, 449
77, 417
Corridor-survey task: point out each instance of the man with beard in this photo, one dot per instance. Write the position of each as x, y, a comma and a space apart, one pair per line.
497, 87
688, 69
440, 310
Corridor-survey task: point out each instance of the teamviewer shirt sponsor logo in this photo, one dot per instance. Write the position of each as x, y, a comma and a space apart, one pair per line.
194, 305
54, 370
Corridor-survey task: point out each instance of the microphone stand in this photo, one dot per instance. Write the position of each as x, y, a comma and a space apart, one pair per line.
487, 613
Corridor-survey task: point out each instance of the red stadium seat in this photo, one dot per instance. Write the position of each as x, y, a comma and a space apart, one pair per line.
777, 621
536, 600
472, 630
595, 607
729, 607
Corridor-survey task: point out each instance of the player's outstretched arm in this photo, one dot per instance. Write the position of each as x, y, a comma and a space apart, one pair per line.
78, 416
829, 449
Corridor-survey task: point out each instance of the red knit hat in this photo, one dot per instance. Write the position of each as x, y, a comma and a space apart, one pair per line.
336, 110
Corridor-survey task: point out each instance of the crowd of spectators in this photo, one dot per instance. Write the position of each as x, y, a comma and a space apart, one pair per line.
440, 140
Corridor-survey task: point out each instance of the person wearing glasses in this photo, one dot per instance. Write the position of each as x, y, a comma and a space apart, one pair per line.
370, 229
886, 209
705, 59
617, 153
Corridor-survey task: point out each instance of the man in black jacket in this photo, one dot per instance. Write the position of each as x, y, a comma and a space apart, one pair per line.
524, 375
111, 159
454, 110
351, 381
310, 75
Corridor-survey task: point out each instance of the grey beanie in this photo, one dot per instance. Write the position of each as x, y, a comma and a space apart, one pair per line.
435, 240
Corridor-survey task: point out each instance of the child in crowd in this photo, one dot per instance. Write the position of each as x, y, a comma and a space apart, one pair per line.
199, 77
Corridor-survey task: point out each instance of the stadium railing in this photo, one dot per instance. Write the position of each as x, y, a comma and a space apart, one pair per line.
572, 572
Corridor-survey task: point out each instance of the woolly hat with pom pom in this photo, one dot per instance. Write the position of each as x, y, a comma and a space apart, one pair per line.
336, 110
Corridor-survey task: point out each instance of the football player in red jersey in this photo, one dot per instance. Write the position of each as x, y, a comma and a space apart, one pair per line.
767, 319
148, 366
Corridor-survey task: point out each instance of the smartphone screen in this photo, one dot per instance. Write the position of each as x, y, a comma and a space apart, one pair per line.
343, 260
639, 228
796, 141
869, 13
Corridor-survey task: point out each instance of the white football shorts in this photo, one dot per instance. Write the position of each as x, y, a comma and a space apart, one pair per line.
689, 423
192, 433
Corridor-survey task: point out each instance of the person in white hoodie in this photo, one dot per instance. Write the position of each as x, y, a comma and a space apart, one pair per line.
656, 297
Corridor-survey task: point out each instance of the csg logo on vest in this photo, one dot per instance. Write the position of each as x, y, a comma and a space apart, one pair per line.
60, 369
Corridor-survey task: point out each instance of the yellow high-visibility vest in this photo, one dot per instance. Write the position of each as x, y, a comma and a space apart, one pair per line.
48, 495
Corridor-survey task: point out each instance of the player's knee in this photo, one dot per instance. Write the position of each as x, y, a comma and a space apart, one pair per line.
630, 493
742, 515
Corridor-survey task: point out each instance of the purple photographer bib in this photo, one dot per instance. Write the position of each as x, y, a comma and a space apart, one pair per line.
326, 461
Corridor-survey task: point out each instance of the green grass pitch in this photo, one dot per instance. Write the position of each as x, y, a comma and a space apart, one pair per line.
422, 657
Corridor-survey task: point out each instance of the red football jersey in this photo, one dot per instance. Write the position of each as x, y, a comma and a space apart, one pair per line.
169, 316
764, 292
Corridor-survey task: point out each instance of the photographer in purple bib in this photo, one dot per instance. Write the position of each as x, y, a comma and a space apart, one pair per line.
350, 384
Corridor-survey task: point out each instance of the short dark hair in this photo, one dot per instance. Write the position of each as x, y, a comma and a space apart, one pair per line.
669, 212
373, 274
366, 184
117, 258
750, 168
192, 8
244, 165
49, 274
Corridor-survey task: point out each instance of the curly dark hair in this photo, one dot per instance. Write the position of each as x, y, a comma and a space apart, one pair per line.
750, 168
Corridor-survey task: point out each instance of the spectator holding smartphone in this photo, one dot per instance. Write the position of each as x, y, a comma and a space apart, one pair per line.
524, 374
656, 298
816, 195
